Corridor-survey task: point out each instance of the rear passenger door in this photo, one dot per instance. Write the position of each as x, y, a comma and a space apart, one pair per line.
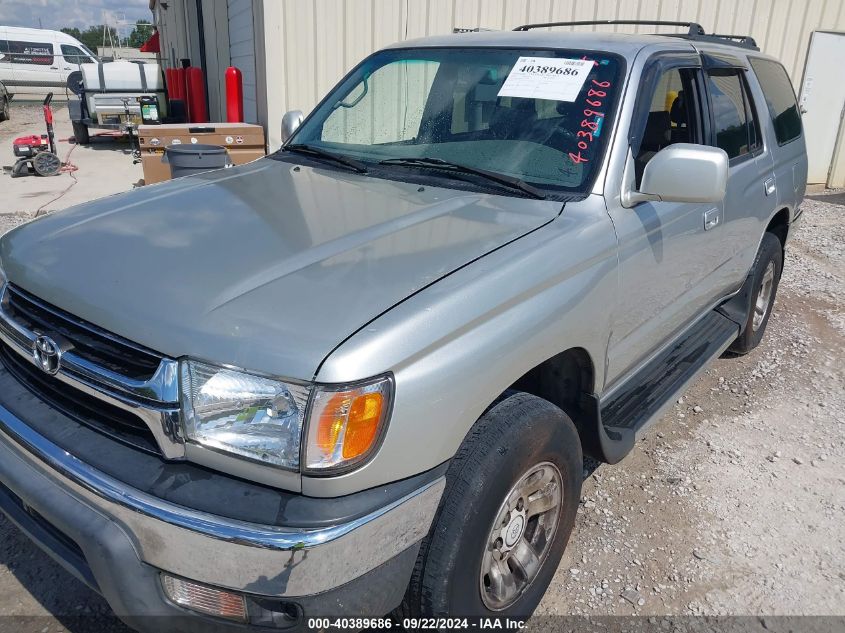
784, 129
751, 193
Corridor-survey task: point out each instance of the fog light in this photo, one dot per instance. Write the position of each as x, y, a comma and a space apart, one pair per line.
204, 599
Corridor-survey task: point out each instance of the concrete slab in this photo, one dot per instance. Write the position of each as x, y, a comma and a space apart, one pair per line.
103, 168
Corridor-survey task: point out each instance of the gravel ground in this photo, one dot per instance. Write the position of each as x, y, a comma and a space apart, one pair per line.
732, 505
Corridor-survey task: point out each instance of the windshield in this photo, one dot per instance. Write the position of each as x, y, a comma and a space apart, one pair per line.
536, 115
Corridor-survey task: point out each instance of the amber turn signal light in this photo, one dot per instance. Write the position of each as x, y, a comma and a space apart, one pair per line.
344, 426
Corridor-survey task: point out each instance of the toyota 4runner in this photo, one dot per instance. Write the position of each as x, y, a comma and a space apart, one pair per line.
358, 376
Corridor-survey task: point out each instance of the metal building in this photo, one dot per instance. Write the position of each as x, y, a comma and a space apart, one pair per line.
291, 52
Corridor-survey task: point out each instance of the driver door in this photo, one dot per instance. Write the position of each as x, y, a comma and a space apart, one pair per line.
667, 250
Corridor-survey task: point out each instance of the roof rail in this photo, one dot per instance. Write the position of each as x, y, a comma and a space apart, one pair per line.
694, 30
694, 27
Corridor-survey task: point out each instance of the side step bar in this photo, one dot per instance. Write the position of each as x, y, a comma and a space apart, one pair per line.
648, 393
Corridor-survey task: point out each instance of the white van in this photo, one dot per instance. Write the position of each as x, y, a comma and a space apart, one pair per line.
34, 62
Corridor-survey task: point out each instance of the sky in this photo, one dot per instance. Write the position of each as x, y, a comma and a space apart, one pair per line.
57, 14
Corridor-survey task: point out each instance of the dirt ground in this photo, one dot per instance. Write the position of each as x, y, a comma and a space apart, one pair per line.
102, 168
733, 504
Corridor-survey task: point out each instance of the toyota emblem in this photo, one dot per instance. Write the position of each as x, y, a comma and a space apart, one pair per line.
47, 354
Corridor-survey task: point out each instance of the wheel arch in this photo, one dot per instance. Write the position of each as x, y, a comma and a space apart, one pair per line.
568, 380
779, 225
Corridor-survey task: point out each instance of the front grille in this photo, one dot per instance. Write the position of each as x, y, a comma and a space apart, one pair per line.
120, 424
89, 342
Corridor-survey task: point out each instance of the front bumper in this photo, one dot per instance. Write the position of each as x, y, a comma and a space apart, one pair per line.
118, 539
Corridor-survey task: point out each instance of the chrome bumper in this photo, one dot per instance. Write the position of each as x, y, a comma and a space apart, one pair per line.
245, 557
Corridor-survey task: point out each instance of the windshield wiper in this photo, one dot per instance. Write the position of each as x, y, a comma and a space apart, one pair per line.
310, 150
439, 163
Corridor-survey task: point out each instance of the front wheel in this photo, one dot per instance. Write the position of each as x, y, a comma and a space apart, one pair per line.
512, 492
4, 109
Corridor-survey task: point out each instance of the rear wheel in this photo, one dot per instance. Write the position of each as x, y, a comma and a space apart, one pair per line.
767, 270
4, 109
506, 515
80, 133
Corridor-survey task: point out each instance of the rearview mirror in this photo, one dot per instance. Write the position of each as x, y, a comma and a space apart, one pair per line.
684, 172
290, 122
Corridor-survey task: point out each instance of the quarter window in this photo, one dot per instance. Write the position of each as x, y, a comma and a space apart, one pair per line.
736, 128
780, 99
32, 53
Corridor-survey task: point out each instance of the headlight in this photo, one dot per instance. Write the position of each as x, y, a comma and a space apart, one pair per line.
239, 413
345, 424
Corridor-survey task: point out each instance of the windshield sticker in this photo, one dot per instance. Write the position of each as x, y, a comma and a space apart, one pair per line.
593, 119
546, 78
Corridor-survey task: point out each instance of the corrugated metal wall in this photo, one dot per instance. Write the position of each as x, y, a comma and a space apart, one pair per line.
241, 52
323, 39
301, 48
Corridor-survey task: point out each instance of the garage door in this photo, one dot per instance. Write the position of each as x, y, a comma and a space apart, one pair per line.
242, 52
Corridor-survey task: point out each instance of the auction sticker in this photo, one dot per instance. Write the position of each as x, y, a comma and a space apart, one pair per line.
546, 78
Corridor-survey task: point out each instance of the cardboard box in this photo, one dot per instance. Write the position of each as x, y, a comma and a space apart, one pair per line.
244, 142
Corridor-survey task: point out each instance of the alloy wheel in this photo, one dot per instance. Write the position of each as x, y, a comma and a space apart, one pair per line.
521, 536
764, 297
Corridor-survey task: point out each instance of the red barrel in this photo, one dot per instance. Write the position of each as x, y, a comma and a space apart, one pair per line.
195, 83
234, 95
179, 75
175, 83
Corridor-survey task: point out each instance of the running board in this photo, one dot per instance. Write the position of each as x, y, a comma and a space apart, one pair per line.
648, 393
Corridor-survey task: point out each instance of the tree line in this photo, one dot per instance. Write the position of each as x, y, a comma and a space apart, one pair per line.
98, 35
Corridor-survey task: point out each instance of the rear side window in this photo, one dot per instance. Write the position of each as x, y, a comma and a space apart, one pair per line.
736, 126
33, 53
780, 99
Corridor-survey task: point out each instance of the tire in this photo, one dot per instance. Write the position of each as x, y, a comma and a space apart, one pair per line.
4, 109
80, 133
767, 270
514, 438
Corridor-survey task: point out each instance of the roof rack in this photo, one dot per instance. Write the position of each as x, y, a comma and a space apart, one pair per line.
694, 27
694, 30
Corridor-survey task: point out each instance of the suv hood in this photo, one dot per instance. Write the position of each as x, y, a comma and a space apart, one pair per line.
267, 266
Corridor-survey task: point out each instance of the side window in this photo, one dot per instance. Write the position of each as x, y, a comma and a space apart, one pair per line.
73, 55
673, 116
735, 122
32, 53
780, 99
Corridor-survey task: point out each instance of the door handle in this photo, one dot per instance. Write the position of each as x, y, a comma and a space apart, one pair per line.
770, 186
711, 219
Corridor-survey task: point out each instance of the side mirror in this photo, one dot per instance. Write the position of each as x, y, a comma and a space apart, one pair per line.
290, 122
683, 172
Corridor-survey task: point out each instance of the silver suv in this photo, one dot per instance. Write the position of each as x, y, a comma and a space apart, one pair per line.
358, 376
